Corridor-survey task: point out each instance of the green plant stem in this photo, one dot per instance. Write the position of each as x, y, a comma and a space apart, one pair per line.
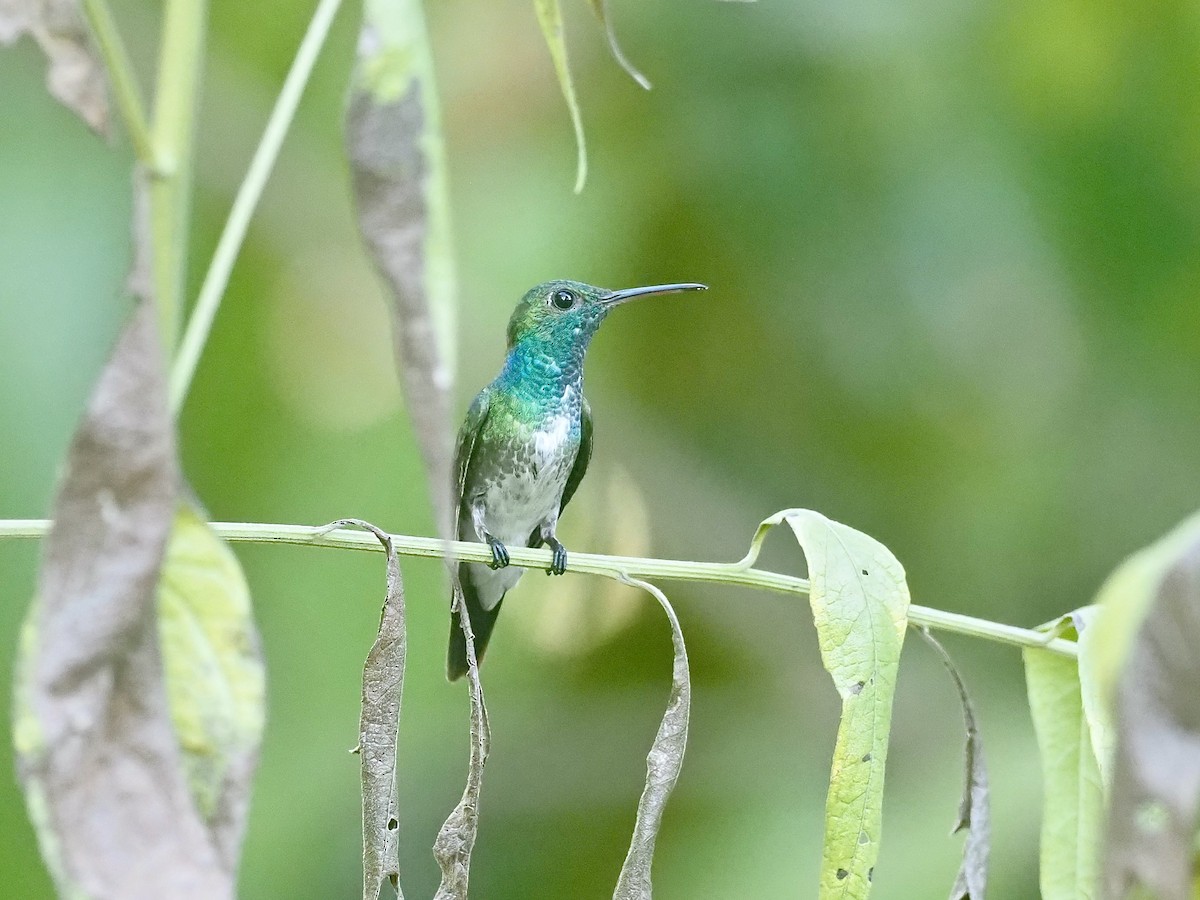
176, 101
736, 573
124, 81
217, 278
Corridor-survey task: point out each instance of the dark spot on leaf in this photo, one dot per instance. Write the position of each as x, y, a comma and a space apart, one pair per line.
866, 757
857, 687
842, 873
870, 873
393, 824
865, 572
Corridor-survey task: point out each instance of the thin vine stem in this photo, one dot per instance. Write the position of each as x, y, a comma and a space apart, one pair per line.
740, 573
124, 80
249, 193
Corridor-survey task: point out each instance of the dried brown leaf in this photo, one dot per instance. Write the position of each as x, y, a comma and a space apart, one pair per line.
456, 839
974, 810
1155, 800
378, 730
76, 76
394, 143
662, 764
97, 755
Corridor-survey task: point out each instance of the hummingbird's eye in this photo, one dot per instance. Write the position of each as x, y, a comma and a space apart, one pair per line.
562, 299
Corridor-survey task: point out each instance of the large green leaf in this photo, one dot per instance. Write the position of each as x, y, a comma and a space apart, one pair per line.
214, 672
859, 600
1073, 796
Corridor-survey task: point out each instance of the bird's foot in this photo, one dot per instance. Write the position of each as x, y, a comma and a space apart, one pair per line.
499, 554
558, 564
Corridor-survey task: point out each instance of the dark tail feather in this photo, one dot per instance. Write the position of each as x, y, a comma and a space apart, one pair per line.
482, 623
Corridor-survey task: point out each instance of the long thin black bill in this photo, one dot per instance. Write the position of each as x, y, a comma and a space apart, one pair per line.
618, 297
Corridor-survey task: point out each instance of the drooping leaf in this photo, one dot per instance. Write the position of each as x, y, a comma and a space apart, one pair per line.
1148, 629
97, 754
1097, 713
859, 598
549, 14
974, 810
600, 8
456, 839
378, 730
662, 764
75, 74
1072, 789
216, 680
393, 137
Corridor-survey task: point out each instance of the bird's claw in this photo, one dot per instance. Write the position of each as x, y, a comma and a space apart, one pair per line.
558, 563
499, 554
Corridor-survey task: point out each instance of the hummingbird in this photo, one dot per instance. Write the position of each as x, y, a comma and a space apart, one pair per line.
526, 443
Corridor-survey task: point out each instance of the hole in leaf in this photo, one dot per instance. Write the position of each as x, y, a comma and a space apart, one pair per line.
1152, 817
864, 838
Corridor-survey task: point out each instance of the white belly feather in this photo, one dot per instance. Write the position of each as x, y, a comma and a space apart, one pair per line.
518, 500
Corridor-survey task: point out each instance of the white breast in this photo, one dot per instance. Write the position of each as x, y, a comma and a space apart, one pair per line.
549, 439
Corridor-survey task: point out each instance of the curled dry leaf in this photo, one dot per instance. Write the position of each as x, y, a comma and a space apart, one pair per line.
974, 810
378, 730
76, 76
456, 839
394, 142
859, 598
662, 764
97, 756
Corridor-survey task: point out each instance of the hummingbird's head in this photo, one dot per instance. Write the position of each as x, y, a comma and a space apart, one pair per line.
570, 311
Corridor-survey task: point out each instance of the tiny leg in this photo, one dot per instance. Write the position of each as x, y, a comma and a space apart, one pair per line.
559, 564
499, 553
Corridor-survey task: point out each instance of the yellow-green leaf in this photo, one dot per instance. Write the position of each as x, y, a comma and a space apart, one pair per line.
214, 672
1073, 796
549, 14
859, 600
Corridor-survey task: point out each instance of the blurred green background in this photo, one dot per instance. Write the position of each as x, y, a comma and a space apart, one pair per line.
953, 251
